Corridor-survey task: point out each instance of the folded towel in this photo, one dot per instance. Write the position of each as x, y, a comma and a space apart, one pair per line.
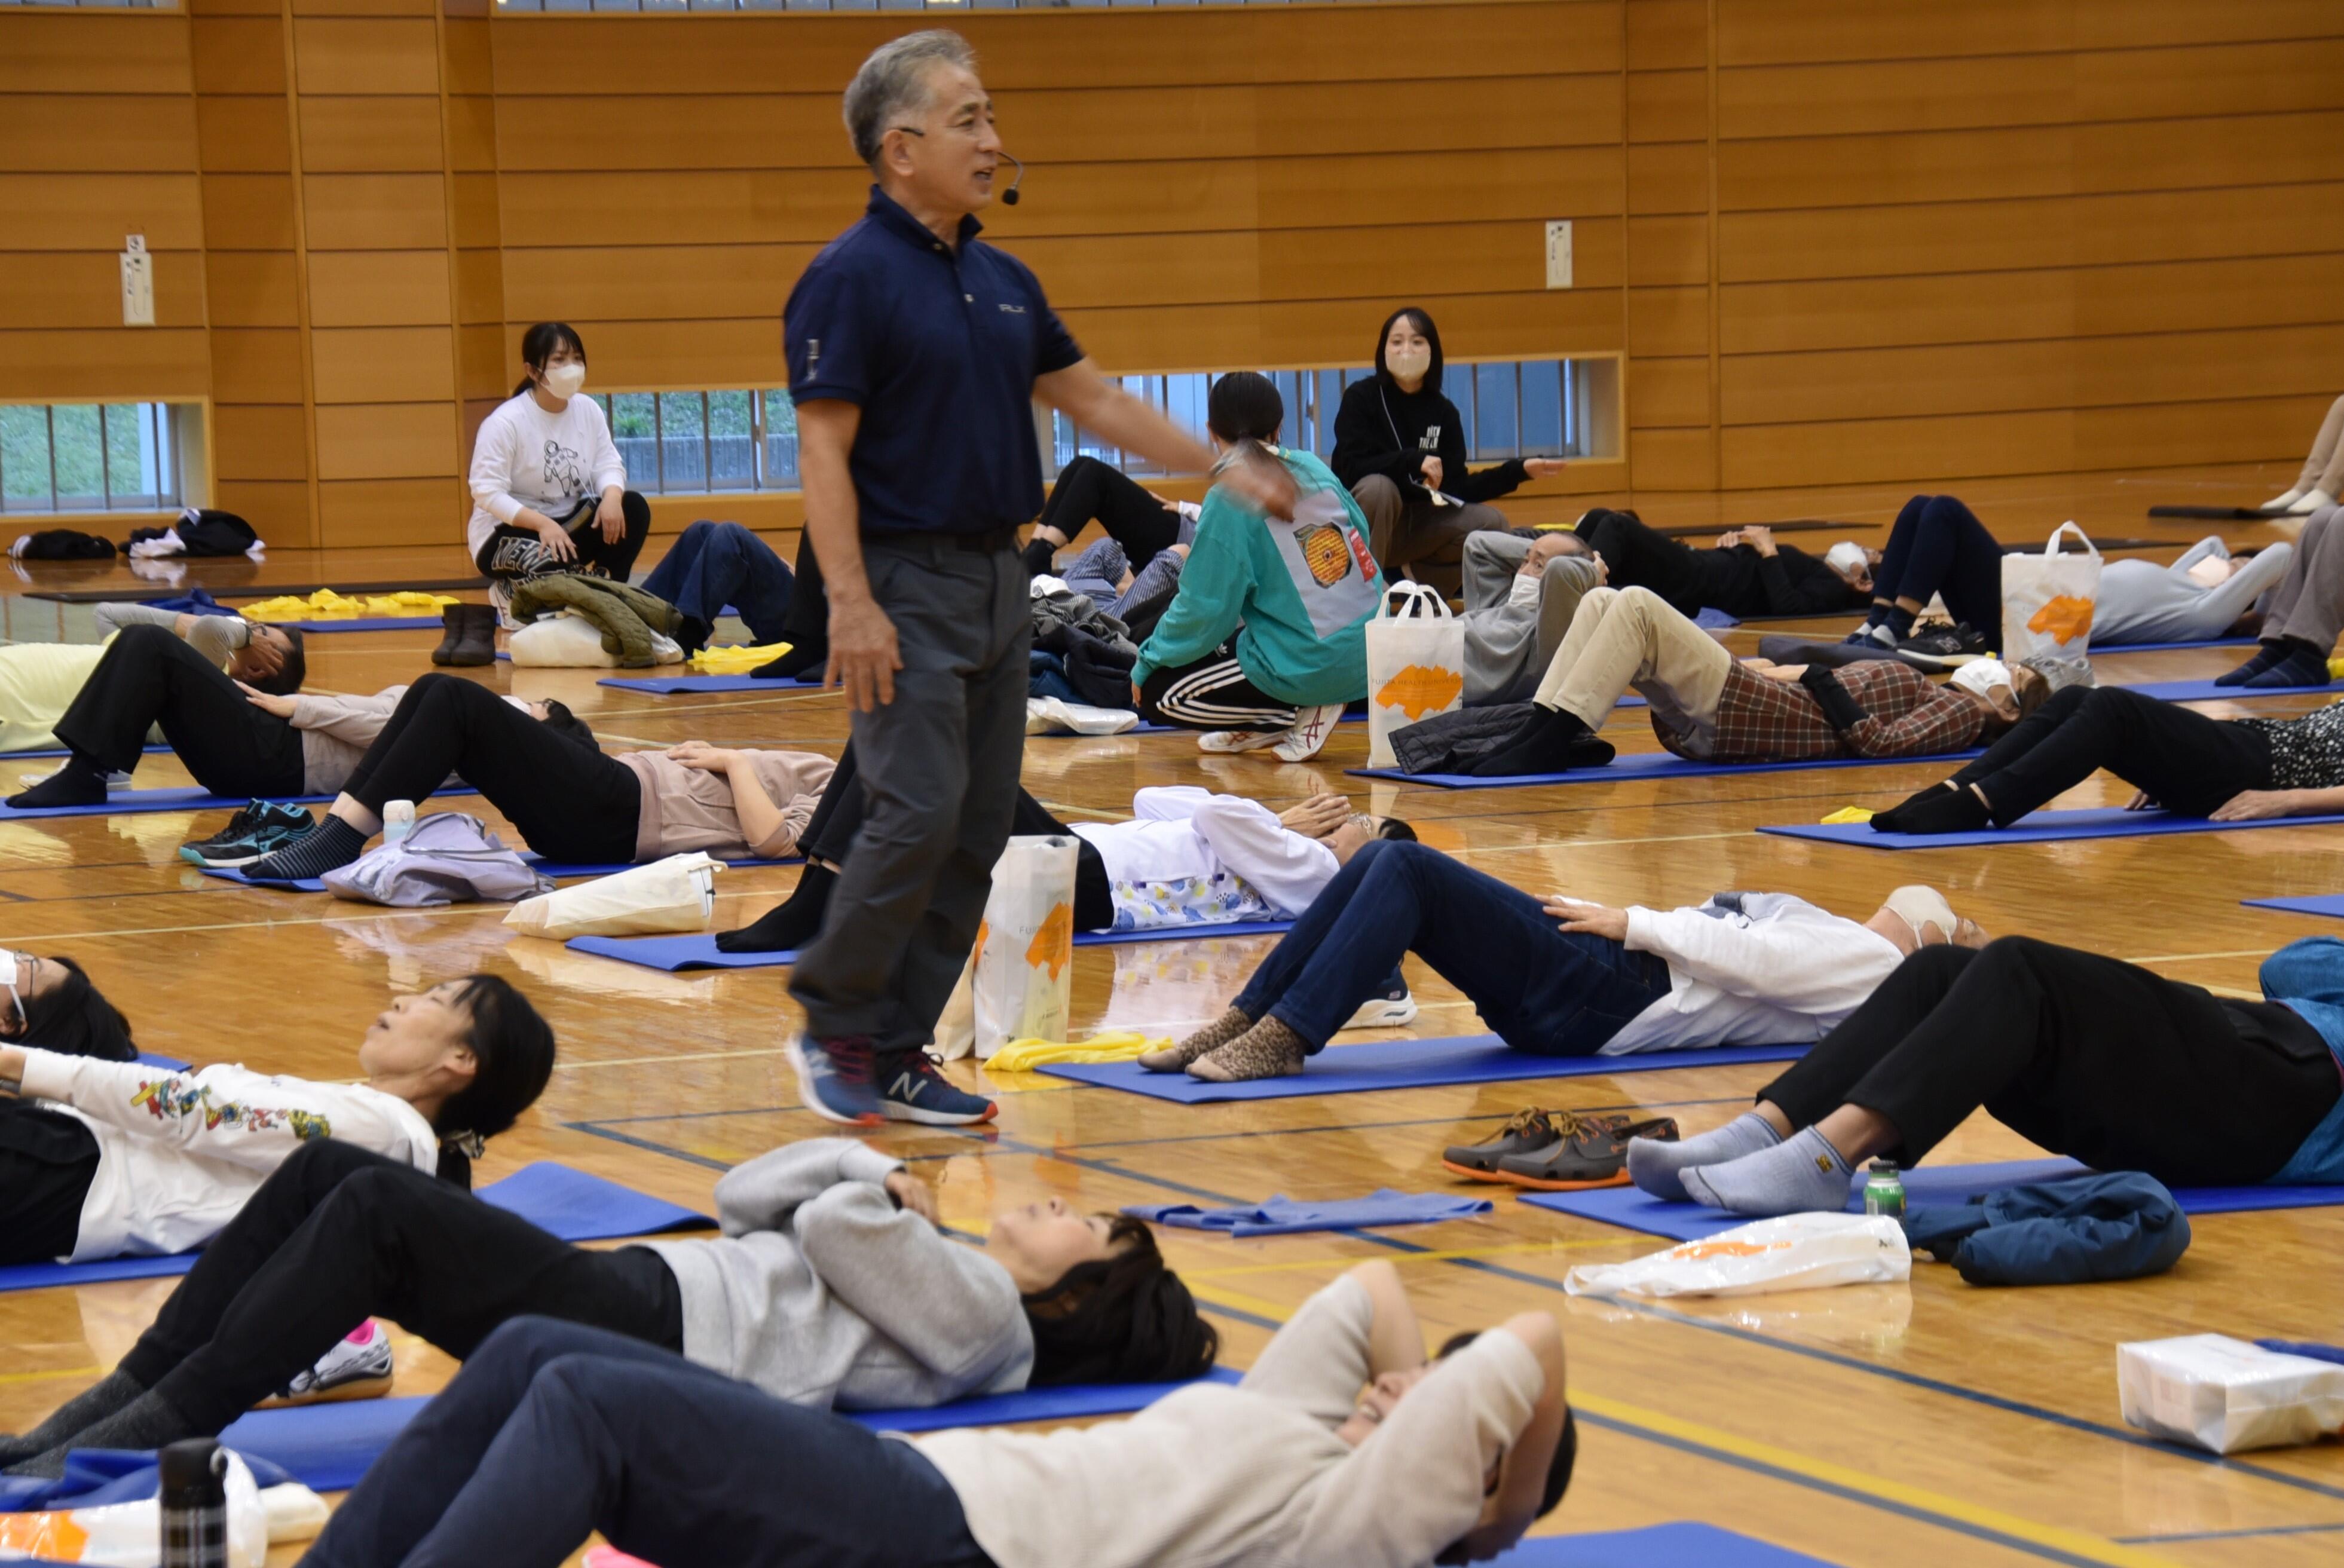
735, 661
1116, 1046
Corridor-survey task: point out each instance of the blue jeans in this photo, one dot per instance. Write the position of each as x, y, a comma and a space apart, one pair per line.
720, 564
1544, 990
1939, 546
553, 1429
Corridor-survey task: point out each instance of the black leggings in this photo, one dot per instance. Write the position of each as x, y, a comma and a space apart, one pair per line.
337, 1233
1132, 514
2090, 1056
569, 800
617, 560
1635, 556
830, 836
150, 676
1939, 546
47, 1161
2187, 763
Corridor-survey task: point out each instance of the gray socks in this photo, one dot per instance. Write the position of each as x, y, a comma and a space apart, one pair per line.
147, 1421
1803, 1174
93, 1403
1655, 1167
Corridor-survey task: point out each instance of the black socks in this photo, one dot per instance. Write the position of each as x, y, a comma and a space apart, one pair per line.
80, 782
147, 1421
1937, 810
330, 846
92, 1405
1551, 741
1895, 617
2269, 654
1041, 558
2303, 665
789, 927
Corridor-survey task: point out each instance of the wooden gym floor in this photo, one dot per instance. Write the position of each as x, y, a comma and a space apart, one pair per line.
1927, 1425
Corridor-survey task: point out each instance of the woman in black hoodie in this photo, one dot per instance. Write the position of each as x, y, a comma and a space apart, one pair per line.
1400, 445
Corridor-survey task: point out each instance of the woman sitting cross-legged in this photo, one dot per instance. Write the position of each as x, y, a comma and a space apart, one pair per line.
1343, 1444
2227, 770
830, 1285
1557, 976
569, 800
103, 1157
2089, 1056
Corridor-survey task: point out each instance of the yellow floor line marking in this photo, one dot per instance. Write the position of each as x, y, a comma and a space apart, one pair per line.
661, 1061
2075, 1542
59, 1372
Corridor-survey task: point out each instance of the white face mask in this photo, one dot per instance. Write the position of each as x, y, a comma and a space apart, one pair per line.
1980, 677
1409, 364
563, 380
1525, 589
15, 973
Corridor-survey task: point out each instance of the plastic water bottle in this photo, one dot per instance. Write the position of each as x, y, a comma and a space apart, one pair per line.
194, 1499
1884, 1190
398, 817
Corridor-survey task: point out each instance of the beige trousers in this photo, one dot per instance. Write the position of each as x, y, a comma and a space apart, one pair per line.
2325, 466
1624, 637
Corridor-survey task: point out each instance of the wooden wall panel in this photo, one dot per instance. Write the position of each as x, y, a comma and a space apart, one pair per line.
384, 365
93, 211
119, 54
379, 287
386, 441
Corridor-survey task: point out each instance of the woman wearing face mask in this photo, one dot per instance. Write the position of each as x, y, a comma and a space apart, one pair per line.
102, 1156
549, 488
1400, 445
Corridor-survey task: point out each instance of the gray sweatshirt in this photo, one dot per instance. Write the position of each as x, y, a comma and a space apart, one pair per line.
2141, 602
214, 636
822, 1292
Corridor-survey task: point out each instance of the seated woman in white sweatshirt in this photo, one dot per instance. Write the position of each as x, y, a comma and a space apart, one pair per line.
1343, 1445
831, 1284
103, 1159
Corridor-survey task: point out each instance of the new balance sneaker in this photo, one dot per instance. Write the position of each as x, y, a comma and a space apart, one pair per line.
1389, 1010
834, 1079
1312, 728
916, 1090
1588, 1151
358, 1368
1950, 645
1239, 740
259, 829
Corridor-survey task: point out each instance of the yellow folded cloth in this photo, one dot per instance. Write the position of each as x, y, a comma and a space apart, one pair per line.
1024, 1055
326, 604
731, 661
1847, 814
2336, 668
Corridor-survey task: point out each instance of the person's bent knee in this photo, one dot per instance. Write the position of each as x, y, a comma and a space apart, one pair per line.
145, 637
1376, 489
531, 1342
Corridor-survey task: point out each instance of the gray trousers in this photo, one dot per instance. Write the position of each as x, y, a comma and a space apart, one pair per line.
2307, 605
1507, 646
939, 773
2324, 469
1409, 533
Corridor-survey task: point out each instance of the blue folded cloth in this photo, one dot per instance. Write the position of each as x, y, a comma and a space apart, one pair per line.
2070, 1232
96, 1476
2305, 1347
1282, 1216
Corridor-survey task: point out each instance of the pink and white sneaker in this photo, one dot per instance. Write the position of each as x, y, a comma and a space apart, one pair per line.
358, 1368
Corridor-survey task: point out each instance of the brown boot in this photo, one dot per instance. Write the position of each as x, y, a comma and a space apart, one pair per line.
1268, 1050
1211, 1037
472, 635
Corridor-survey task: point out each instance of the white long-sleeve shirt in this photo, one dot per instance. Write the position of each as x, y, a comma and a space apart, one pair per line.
1751, 969
179, 1153
1193, 857
525, 457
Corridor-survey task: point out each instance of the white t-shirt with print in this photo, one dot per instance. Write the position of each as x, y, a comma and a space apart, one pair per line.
525, 457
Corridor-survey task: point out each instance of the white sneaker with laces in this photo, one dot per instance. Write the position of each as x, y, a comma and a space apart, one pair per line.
1312, 729
1239, 740
358, 1367
1383, 1012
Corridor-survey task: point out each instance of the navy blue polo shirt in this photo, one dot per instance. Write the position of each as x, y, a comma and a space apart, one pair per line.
939, 347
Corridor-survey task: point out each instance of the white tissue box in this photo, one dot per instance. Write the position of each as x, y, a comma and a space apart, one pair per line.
2225, 1394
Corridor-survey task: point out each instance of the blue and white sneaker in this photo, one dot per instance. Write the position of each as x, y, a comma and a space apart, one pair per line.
834, 1079
917, 1091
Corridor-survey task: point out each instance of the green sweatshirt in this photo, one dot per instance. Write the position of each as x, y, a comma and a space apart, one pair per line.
1298, 595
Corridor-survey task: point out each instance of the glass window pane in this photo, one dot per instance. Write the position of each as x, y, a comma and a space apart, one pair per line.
129, 470
1186, 399
781, 439
1457, 380
635, 428
1493, 402
1542, 409
683, 462
80, 458
1329, 396
732, 442
24, 457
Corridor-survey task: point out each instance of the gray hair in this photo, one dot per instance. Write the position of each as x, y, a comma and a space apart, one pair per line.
892, 82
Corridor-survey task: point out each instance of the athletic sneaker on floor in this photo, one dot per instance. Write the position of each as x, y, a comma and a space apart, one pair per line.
1239, 740
1951, 644
1525, 1132
834, 1079
918, 1092
1312, 729
262, 828
1588, 1151
357, 1368
1388, 1011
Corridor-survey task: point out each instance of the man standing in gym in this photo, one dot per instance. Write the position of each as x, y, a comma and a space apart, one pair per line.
915, 354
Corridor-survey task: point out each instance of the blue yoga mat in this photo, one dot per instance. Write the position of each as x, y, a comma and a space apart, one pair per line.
1929, 1184
2098, 647
2041, 827
187, 797
379, 624
1681, 1546
572, 1204
2206, 692
61, 752
2329, 905
1407, 1065
1283, 1215
699, 950
1644, 765
553, 868
668, 685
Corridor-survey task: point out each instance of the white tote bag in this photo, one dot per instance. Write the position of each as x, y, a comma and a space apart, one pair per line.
1025, 963
2046, 609
678, 894
1416, 664
1795, 1252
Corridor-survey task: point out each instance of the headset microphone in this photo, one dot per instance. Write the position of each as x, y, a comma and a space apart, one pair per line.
1009, 197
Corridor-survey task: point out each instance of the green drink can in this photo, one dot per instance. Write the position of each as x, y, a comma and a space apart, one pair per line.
1884, 1190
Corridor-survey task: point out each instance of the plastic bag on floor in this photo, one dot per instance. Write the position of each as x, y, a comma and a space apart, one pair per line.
130, 1534
2047, 602
1056, 716
678, 894
1024, 973
1794, 1252
570, 641
2225, 1395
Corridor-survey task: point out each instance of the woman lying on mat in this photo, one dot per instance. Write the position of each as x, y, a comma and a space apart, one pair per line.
1937, 546
1343, 1444
2304, 613
1706, 705
39, 681
100, 1159
830, 1285
570, 801
2201, 596
1746, 574
1556, 976
1189, 857
2090, 1056
2227, 770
